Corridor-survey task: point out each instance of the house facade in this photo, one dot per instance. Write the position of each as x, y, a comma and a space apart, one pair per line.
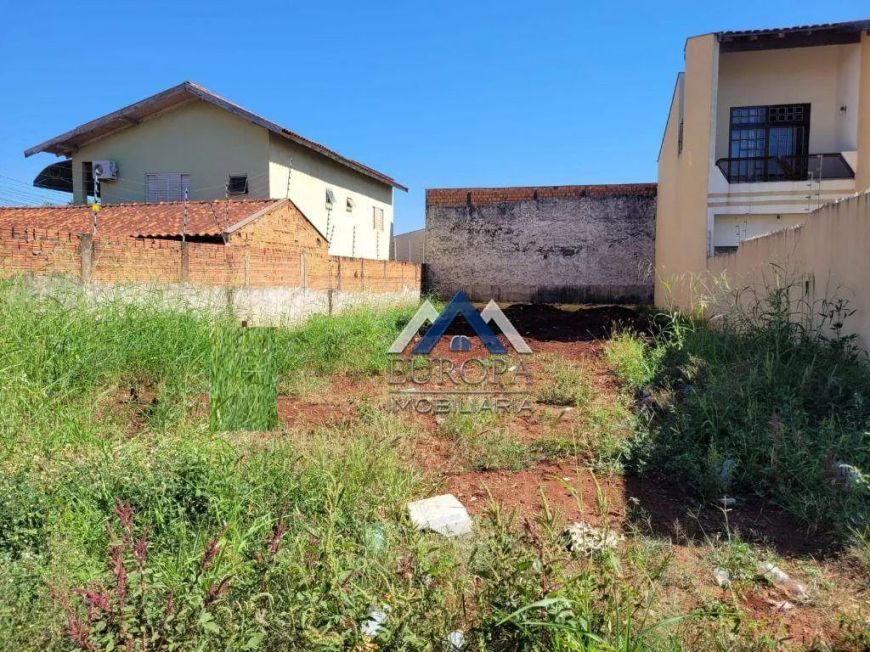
765, 126
187, 141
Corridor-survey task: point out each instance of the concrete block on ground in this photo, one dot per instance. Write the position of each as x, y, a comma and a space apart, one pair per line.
442, 514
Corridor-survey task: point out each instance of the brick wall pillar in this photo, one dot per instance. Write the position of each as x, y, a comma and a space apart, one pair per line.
86, 251
185, 261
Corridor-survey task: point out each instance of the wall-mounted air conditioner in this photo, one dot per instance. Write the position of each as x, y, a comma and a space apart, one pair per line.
105, 170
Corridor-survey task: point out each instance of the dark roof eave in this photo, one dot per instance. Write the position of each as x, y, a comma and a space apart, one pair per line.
792, 37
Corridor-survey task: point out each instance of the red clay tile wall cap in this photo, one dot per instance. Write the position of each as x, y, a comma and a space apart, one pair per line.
459, 196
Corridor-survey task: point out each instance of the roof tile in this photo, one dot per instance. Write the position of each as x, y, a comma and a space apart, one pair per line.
164, 219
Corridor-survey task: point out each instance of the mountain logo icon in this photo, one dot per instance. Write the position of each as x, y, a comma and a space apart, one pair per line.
459, 305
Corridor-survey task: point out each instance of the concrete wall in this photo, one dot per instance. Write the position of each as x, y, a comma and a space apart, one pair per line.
410, 246
278, 306
681, 223
196, 138
730, 230
570, 244
350, 233
828, 256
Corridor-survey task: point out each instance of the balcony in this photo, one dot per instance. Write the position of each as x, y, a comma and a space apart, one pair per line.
814, 167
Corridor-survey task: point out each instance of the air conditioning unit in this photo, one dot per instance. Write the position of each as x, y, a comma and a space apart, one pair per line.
105, 170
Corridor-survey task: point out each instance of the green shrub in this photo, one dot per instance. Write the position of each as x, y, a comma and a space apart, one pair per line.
633, 361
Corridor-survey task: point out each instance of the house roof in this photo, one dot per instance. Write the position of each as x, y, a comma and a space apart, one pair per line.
69, 142
159, 220
460, 196
793, 37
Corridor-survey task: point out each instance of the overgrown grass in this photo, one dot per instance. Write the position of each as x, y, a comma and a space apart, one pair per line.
126, 522
563, 383
634, 362
770, 402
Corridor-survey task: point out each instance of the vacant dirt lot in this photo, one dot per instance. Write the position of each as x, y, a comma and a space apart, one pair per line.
558, 473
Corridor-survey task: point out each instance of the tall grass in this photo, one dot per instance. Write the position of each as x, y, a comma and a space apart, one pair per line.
770, 402
244, 379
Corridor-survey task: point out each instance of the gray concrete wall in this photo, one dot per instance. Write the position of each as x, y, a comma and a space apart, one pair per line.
564, 244
278, 306
409, 247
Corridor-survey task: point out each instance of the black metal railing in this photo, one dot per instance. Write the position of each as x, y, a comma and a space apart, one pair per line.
785, 168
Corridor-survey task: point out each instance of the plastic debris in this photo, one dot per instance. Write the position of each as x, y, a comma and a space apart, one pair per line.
375, 538
722, 577
442, 514
455, 641
585, 539
727, 501
375, 621
780, 579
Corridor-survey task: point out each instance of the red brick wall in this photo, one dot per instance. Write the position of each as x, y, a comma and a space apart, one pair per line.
132, 260
291, 258
38, 252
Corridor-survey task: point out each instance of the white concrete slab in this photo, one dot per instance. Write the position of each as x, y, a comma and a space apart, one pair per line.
442, 514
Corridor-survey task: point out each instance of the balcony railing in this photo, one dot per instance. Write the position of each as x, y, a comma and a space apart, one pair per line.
785, 168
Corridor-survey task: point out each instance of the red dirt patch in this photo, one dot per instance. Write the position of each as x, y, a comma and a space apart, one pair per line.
565, 488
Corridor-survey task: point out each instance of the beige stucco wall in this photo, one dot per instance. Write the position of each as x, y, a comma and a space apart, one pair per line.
862, 166
197, 138
729, 230
824, 77
827, 256
350, 233
681, 216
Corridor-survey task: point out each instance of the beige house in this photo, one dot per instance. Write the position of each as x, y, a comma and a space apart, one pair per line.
765, 126
188, 142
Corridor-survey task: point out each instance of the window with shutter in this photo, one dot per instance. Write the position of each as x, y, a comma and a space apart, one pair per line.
166, 186
378, 221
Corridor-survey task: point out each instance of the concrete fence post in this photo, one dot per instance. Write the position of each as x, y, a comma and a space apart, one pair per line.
185, 262
86, 252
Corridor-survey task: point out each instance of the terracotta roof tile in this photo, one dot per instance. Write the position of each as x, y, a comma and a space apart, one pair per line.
164, 219
457, 196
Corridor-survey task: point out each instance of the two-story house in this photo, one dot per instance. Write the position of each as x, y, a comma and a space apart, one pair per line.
764, 127
187, 142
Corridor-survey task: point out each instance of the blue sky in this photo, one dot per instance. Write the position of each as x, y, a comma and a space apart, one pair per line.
436, 94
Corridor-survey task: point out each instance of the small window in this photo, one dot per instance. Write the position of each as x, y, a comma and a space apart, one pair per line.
330, 198
378, 219
350, 205
237, 184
